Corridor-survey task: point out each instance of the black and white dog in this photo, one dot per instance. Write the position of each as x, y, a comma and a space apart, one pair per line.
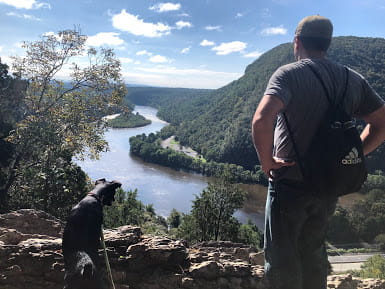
81, 237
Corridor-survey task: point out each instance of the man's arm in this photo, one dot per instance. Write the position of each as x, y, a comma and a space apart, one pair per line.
374, 133
263, 132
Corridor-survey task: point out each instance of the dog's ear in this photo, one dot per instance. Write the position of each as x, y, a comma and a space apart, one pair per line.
116, 184
100, 181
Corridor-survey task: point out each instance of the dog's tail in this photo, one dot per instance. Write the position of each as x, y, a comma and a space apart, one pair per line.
84, 265
88, 271
81, 272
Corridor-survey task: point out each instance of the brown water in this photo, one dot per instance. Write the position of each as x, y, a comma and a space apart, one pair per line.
163, 187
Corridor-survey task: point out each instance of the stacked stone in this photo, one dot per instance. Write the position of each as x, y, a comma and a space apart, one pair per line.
30, 257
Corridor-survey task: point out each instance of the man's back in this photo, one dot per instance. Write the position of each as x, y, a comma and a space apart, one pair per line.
305, 102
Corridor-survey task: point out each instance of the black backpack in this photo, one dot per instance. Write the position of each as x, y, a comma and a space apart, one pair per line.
334, 163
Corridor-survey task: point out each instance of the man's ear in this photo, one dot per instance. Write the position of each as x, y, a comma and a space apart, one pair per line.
100, 181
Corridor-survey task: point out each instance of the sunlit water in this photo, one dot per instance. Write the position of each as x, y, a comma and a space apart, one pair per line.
163, 187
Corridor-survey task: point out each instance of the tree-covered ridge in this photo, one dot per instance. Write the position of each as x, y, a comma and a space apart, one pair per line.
174, 104
222, 132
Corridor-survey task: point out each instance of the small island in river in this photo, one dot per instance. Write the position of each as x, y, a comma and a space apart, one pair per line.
127, 120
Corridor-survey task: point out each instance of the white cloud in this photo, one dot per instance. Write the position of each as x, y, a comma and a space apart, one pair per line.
159, 59
186, 71
239, 15
25, 16
254, 54
183, 24
279, 30
49, 33
18, 44
131, 23
120, 48
6, 60
26, 4
184, 15
183, 51
105, 38
126, 60
144, 52
210, 28
206, 43
230, 47
168, 76
165, 7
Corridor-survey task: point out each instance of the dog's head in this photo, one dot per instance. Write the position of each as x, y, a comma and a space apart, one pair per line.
106, 190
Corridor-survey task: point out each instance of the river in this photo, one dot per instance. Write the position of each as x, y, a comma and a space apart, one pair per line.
163, 187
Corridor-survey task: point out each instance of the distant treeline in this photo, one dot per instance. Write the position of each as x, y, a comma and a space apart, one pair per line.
149, 149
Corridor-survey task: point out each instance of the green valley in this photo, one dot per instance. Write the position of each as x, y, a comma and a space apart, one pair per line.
216, 123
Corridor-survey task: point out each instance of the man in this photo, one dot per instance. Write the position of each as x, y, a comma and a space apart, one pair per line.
296, 218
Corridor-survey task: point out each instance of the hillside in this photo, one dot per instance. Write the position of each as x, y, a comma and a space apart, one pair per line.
222, 131
175, 104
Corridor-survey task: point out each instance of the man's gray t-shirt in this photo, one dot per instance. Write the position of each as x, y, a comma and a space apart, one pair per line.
305, 103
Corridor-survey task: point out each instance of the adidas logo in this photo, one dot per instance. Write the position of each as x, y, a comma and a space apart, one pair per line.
352, 158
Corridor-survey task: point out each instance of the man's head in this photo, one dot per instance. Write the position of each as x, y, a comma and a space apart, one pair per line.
106, 190
315, 33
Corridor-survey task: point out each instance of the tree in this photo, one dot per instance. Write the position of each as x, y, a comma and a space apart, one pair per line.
174, 219
11, 111
380, 241
188, 229
126, 210
340, 228
250, 234
60, 119
214, 208
150, 210
374, 267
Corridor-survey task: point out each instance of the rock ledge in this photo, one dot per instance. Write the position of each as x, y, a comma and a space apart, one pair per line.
30, 254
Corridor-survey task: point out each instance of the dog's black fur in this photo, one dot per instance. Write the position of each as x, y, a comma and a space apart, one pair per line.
81, 237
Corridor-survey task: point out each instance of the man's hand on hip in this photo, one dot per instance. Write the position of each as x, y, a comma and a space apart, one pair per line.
274, 164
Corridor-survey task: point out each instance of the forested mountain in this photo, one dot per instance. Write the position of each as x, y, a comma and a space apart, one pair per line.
175, 104
218, 123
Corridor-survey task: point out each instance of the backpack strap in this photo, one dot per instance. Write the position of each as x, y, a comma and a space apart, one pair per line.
331, 102
296, 151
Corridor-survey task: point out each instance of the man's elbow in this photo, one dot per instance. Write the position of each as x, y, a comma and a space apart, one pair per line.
259, 124
377, 120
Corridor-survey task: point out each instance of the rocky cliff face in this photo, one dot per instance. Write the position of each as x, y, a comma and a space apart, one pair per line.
30, 257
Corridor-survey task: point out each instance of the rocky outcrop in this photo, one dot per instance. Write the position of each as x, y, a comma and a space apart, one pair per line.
30, 257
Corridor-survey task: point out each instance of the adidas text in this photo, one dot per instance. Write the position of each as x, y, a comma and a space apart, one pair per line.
352, 158
352, 162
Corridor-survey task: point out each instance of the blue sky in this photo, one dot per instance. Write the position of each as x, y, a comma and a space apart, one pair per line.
184, 43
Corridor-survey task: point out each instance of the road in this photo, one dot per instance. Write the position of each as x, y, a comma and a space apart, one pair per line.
167, 143
349, 262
